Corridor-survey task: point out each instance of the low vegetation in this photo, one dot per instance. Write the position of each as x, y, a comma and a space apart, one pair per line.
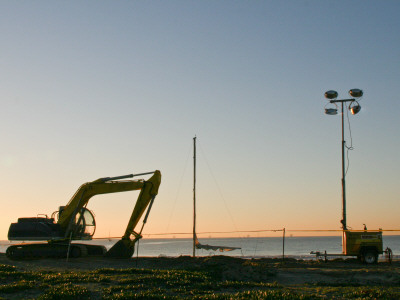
208, 280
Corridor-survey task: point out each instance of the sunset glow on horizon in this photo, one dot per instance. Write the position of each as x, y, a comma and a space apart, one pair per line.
101, 89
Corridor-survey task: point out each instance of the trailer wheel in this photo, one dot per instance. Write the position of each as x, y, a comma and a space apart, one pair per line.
370, 257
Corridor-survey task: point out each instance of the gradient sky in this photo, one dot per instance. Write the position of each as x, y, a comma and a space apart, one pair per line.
105, 88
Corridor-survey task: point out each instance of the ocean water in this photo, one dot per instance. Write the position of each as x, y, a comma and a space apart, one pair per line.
296, 247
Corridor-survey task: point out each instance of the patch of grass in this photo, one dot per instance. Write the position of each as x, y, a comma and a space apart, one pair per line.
10, 274
65, 292
17, 286
121, 288
112, 271
168, 283
247, 284
152, 293
373, 293
235, 280
73, 277
270, 294
337, 284
7, 268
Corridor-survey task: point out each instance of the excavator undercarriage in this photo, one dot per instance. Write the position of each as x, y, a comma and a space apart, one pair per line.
58, 249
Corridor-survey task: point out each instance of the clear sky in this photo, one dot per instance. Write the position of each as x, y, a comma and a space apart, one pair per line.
105, 88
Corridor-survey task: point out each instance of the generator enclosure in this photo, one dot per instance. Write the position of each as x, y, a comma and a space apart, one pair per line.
355, 243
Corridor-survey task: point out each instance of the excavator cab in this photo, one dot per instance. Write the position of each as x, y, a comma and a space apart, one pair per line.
84, 223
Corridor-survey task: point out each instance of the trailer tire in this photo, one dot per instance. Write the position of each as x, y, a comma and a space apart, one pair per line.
370, 257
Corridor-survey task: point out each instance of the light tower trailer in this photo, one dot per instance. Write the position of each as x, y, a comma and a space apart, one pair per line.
366, 245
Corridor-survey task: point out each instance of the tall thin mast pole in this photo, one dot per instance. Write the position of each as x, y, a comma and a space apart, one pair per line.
355, 93
194, 196
344, 222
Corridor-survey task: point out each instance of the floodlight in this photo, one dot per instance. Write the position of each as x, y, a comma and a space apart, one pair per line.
356, 93
355, 109
331, 94
331, 111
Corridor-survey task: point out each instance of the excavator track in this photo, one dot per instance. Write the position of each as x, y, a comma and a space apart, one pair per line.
53, 250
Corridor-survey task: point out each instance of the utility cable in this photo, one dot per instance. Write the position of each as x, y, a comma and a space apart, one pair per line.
348, 148
218, 188
251, 231
179, 189
220, 192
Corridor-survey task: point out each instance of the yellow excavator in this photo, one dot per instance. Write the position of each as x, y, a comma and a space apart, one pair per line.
75, 222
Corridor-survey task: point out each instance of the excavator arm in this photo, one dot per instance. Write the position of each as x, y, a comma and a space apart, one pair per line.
146, 196
100, 186
125, 247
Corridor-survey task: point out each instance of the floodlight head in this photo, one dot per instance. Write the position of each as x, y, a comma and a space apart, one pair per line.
331, 95
356, 93
331, 111
355, 109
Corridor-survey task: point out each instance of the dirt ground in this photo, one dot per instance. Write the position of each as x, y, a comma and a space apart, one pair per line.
287, 272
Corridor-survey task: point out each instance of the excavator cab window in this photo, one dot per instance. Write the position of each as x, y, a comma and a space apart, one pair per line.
85, 224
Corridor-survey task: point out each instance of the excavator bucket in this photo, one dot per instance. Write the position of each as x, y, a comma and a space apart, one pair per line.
122, 249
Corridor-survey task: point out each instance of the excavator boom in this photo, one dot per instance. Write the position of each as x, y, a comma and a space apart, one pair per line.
86, 192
